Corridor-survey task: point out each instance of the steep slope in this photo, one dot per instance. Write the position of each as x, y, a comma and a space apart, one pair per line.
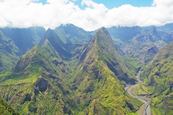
8, 53
48, 79
57, 44
96, 85
124, 34
159, 75
142, 43
103, 48
24, 38
37, 82
143, 48
16, 41
71, 34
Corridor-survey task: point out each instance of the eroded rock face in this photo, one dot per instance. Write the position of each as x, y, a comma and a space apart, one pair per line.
116, 69
153, 50
27, 97
41, 85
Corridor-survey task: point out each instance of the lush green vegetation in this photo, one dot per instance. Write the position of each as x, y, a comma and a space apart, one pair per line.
64, 75
159, 75
97, 89
48, 79
5, 109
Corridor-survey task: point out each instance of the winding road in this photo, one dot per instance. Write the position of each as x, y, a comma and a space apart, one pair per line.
145, 108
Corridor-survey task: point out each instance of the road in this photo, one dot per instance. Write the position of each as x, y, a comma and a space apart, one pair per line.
145, 108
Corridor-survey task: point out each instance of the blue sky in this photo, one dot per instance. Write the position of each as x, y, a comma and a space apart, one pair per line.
42, 1
116, 3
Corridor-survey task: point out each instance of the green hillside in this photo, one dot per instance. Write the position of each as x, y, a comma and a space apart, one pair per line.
5, 109
159, 75
97, 86
52, 80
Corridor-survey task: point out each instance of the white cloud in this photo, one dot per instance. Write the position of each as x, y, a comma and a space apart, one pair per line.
26, 13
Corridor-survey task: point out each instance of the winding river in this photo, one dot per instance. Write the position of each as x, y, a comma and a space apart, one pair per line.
145, 107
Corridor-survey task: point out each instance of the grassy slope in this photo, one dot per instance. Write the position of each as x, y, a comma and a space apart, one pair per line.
93, 90
5, 109
160, 75
31, 67
96, 88
103, 93
8, 51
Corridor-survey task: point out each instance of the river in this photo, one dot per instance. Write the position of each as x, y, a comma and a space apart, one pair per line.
145, 107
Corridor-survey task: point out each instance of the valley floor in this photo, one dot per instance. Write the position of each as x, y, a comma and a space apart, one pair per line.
145, 107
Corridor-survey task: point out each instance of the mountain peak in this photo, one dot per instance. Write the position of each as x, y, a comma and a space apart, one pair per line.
101, 29
101, 43
104, 41
102, 33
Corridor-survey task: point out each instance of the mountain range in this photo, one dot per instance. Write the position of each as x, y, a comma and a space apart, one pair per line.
68, 70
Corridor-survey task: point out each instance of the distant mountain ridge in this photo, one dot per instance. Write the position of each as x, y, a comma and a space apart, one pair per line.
137, 41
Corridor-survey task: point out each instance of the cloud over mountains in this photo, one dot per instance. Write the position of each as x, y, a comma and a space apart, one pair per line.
26, 13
